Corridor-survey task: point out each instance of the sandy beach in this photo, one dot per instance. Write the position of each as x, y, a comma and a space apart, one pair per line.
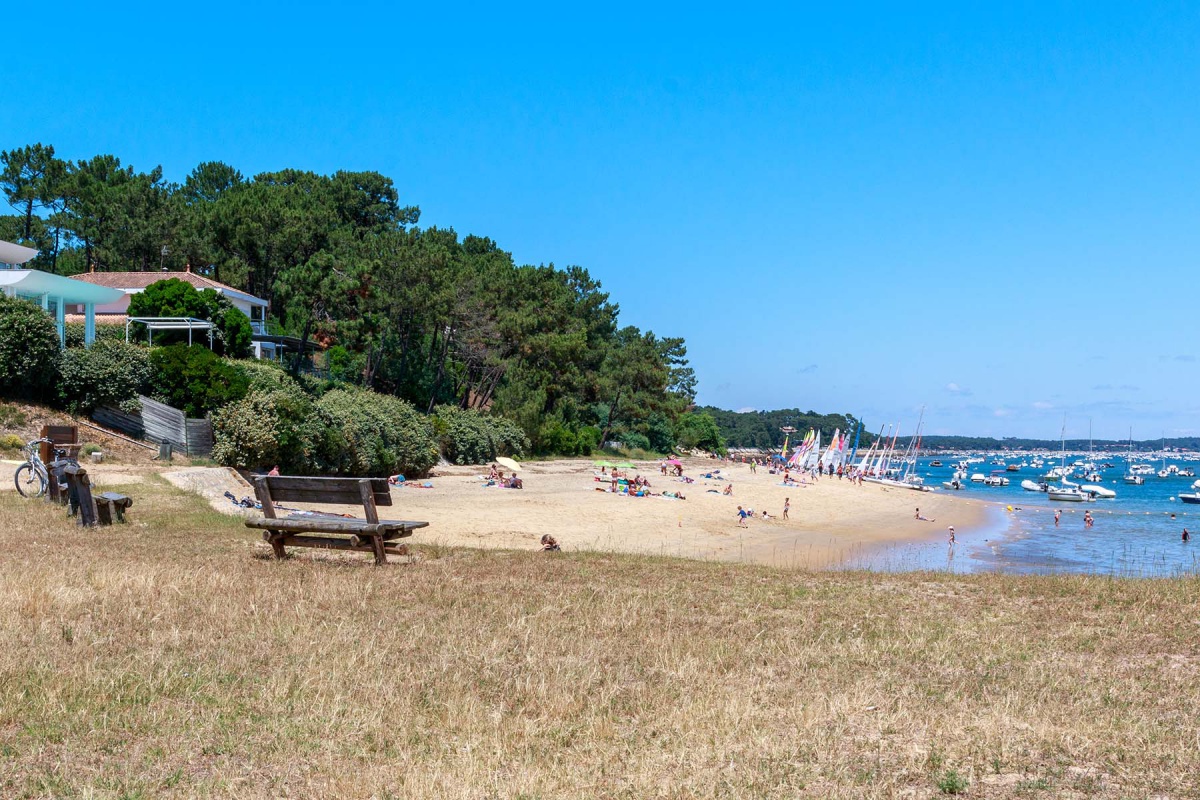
830, 520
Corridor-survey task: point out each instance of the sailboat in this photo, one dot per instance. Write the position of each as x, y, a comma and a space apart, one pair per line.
1066, 491
1131, 476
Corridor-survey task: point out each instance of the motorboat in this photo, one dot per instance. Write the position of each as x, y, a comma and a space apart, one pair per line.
1032, 486
1193, 499
1098, 491
935, 463
1136, 480
1013, 468
954, 484
1186, 472
978, 477
1067, 494
995, 479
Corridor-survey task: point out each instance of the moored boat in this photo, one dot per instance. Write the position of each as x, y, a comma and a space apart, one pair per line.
1098, 491
1031, 486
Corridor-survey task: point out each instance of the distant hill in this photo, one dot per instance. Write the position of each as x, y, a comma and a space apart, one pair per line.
762, 429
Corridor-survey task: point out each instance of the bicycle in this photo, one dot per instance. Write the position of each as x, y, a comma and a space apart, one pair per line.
32, 477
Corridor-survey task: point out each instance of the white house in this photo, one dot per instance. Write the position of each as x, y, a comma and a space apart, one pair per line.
53, 293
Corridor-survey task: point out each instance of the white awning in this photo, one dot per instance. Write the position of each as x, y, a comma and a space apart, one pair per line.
14, 253
36, 282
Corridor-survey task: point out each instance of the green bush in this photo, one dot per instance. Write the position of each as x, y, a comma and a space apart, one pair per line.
263, 376
10, 441
278, 427
468, 437
555, 438
104, 333
29, 350
378, 434
109, 373
88, 449
635, 441
194, 379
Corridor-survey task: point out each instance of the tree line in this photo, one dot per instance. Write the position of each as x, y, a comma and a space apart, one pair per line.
419, 313
764, 429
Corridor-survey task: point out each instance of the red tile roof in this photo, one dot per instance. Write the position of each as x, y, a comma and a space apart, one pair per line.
140, 280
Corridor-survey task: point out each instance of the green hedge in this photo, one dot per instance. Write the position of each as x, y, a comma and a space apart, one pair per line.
468, 437
378, 434
107, 373
274, 427
29, 350
194, 379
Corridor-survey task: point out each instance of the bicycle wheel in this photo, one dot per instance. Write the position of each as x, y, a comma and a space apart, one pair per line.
30, 482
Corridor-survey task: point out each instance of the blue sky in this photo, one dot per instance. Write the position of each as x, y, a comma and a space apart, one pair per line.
989, 212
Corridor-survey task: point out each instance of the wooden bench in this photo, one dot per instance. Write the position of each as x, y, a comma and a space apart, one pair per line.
101, 509
370, 535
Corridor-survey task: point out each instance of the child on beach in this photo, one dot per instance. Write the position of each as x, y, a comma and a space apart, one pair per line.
951, 528
787, 505
742, 514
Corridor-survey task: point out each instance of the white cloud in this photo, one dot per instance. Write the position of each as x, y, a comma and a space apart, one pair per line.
954, 388
1043, 405
747, 410
1002, 412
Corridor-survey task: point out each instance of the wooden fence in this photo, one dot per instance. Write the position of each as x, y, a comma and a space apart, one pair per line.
158, 422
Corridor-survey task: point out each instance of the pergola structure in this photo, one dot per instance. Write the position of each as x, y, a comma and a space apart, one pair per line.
52, 292
188, 324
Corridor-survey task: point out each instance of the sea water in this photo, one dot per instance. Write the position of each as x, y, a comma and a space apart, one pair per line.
1134, 534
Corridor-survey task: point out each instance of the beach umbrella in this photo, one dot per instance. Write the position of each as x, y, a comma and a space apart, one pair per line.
602, 464
675, 462
508, 463
625, 465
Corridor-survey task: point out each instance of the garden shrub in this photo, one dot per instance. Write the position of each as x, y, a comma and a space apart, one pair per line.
109, 373
469, 437
194, 379
378, 434
10, 441
29, 350
275, 427
555, 438
104, 333
635, 440
263, 376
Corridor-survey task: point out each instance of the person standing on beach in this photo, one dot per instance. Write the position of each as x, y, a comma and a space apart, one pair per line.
787, 505
951, 528
1057, 514
742, 514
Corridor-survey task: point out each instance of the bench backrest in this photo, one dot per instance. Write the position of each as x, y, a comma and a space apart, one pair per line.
367, 492
60, 435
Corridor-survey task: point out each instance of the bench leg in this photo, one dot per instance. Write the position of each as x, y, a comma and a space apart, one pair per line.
276, 540
377, 546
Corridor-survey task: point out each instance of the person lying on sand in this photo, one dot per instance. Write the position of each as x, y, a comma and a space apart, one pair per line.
921, 518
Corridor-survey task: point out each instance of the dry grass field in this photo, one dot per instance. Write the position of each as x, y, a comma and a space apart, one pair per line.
169, 658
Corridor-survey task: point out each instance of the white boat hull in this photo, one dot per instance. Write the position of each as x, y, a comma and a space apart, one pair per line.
1098, 491
1031, 486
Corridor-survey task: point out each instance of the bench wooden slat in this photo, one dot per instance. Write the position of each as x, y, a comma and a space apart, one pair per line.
335, 491
326, 525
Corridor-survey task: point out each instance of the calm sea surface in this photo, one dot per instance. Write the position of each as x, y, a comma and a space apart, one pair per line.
1134, 534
